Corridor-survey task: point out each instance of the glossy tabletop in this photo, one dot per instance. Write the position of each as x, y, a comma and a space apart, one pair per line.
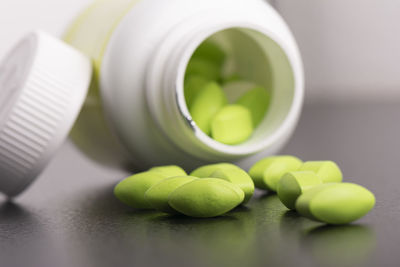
69, 217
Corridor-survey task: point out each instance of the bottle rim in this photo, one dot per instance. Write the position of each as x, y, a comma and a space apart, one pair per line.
187, 133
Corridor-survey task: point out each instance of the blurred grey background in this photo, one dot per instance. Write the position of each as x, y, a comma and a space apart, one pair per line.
350, 48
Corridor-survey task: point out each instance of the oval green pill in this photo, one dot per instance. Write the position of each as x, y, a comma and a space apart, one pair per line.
232, 78
293, 184
256, 101
132, 189
193, 85
202, 67
208, 197
238, 177
232, 125
158, 194
210, 171
210, 51
169, 171
207, 170
236, 89
328, 171
335, 203
267, 172
206, 104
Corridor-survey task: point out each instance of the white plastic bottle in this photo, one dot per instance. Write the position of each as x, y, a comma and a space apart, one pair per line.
136, 113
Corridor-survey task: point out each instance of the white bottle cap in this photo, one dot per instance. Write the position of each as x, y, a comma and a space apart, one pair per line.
43, 84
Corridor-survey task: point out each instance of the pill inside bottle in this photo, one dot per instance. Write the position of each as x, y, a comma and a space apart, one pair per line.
229, 68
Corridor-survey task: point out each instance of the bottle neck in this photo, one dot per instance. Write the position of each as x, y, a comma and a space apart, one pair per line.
165, 86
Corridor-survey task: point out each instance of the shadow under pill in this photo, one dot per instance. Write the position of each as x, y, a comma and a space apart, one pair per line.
291, 222
260, 194
348, 245
209, 240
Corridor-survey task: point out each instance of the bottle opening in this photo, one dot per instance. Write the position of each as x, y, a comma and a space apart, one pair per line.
239, 89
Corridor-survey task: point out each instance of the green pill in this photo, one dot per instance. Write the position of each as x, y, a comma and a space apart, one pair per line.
158, 194
206, 104
206, 170
232, 78
229, 172
256, 101
204, 68
208, 197
132, 189
210, 51
328, 171
236, 89
293, 184
238, 177
193, 85
232, 125
335, 203
169, 171
267, 172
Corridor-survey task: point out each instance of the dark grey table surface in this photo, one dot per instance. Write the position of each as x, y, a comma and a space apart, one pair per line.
69, 217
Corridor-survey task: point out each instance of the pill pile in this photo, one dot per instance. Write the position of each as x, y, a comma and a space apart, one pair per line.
208, 191
228, 121
314, 189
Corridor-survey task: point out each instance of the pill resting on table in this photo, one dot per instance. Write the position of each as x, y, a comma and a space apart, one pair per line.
335, 203
207, 197
169, 171
328, 171
207, 170
158, 194
238, 177
131, 190
228, 172
267, 172
293, 184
